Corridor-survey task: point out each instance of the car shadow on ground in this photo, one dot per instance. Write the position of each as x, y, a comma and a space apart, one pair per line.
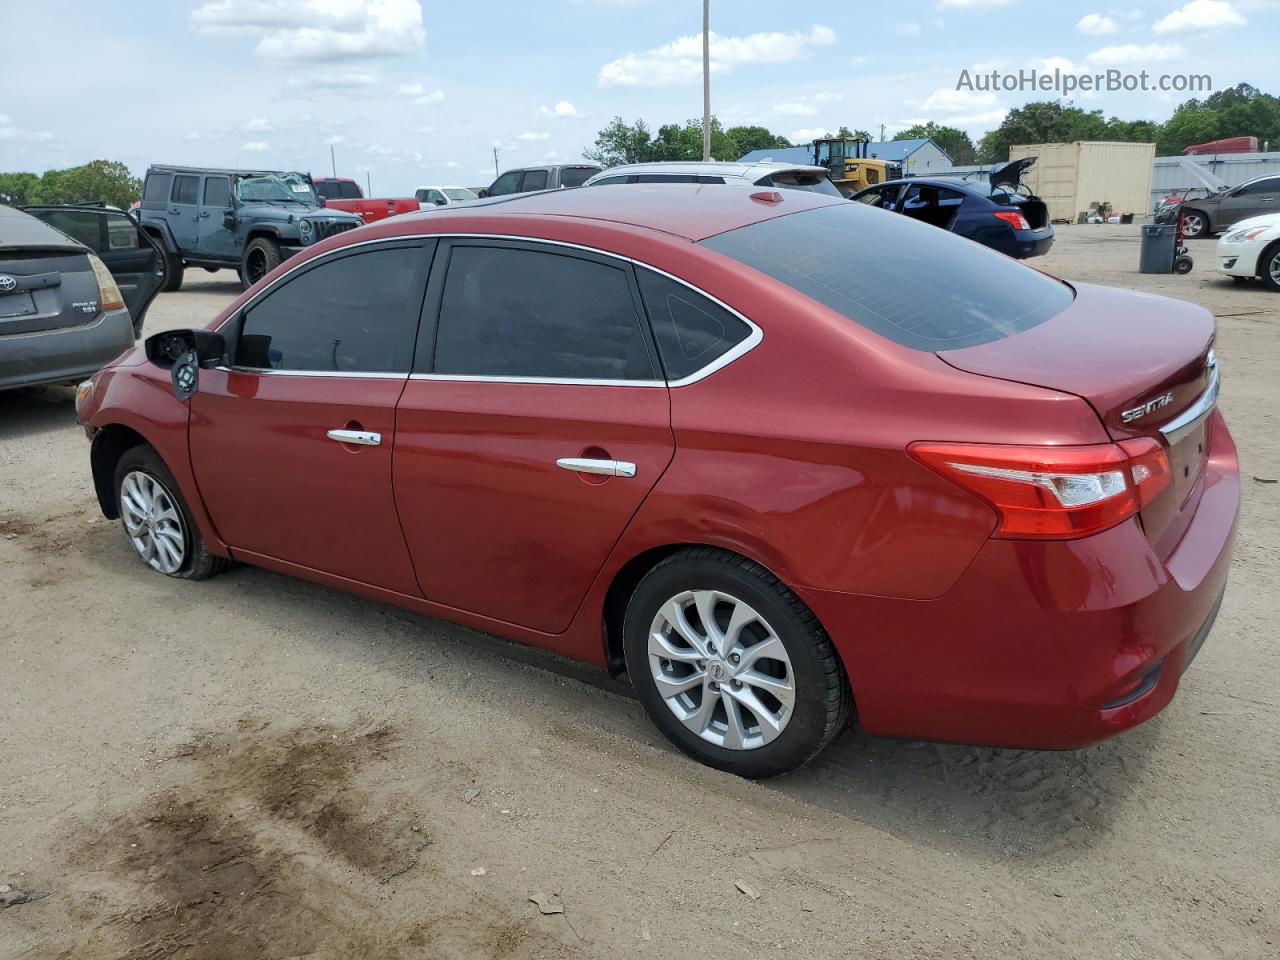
30, 410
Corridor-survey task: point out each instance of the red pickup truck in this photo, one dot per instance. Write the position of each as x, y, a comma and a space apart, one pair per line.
343, 194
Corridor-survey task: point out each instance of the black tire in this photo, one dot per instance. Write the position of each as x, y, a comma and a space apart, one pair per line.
1194, 225
1183, 264
1269, 267
174, 271
198, 563
261, 256
823, 699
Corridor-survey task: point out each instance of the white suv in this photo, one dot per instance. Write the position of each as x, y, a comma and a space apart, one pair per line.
788, 176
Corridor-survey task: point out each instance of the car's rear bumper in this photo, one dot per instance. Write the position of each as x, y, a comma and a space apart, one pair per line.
1043, 644
1032, 243
31, 359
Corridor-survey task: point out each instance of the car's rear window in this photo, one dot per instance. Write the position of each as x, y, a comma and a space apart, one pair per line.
576, 176
815, 183
910, 282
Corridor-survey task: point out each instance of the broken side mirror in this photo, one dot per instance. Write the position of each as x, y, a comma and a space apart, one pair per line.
183, 353
229, 218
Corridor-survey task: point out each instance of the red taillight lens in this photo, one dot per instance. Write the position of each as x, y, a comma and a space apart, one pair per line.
1013, 219
1055, 493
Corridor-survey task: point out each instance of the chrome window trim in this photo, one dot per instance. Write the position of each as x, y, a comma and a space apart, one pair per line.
354, 374
741, 348
1190, 418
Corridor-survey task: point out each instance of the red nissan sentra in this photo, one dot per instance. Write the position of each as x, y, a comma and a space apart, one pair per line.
782, 458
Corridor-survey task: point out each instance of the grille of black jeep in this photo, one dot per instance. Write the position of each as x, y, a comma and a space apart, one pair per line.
328, 229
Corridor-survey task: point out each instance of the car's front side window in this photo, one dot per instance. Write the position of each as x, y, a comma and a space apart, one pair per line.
505, 184
351, 314
518, 312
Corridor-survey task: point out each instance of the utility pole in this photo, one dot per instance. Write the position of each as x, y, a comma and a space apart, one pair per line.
706, 79
333, 162
368, 184
882, 133
495, 162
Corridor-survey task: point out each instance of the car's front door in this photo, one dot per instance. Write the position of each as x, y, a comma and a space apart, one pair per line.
1249, 200
535, 424
135, 262
291, 445
215, 238
183, 210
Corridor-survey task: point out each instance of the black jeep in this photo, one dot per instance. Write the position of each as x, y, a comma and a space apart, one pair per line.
246, 220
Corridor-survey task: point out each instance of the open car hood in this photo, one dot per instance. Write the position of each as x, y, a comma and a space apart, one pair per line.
1198, 171
1011, 172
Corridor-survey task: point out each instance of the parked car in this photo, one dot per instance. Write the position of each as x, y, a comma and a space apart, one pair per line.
75, 284
245, 220
430, 198
1251, 249
763, 174
1001, 213
339, 193
683, 433
1221, 209
550, 177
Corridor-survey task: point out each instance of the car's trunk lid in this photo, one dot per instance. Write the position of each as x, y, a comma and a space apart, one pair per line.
1142, 362
45, 290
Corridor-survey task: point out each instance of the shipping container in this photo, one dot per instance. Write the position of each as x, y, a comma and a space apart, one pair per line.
1073, 177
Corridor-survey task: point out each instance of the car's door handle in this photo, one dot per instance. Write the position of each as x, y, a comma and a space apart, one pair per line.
604, 468
361, 438
204, 214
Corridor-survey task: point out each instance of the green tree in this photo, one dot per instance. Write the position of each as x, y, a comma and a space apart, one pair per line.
17, 188
1044, 121
955, 142
621, 142
100, 181
754, 138
676, 142
1239, 111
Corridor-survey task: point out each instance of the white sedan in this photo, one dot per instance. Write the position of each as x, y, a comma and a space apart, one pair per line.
1251, 248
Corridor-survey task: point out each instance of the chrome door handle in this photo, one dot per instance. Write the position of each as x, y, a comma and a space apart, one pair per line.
361, 438
604, 468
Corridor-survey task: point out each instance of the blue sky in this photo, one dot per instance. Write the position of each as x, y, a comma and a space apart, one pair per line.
414, 92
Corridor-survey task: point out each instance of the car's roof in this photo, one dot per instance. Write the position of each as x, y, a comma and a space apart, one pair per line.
20, 230
440, 186
691, 211
171, 168
711, 168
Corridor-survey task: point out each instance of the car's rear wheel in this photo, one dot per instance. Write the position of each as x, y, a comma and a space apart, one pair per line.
1269, 266
731, 665
157, 520
1194, 224
261, 256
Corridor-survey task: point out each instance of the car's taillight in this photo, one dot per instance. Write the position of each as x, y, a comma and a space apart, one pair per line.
1054, 493
1013, 219
109, 297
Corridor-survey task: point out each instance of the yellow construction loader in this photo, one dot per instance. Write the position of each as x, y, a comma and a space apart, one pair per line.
848, 165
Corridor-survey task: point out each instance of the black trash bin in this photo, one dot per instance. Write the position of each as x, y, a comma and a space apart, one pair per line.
1158, 243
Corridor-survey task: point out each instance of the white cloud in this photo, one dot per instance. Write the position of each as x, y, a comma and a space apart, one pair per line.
681, 60
807, 134
1096, 23
1199, 15
533, 137
193, 136
10, 131
452, 164
421, 96
563, 110
972, 4
1135, 53
322, 30
946, 100
908, 29
1051, 64
257, 125
796, 109
254, 146
349, 80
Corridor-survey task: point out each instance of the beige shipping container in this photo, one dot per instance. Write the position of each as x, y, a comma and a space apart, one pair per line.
1071, 177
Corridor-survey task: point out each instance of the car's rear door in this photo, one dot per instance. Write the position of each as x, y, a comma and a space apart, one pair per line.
534, 425
291, 444
135, 262
183, 211
1250, 200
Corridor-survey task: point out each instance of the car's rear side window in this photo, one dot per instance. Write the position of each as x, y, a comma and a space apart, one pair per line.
353, 314
576, 176
692, 331
813, 182
185, 189
157, 187
909, 282
516, 312
534, 180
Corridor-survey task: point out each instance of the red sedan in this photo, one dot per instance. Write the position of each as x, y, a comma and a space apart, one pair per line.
780, 457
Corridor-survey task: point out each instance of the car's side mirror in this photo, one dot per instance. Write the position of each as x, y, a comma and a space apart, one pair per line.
229, 218
183, 353
442, 203
323, 201
483, 193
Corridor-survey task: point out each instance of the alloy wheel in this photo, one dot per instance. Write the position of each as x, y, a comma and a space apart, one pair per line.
721, 669
1273, 269
1192, 225
255, 266
153, 521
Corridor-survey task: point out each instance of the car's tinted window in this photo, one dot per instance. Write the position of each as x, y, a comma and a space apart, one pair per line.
102, 231
667, 178
185, 189
350, 190
217, 192
507, 183
328, 190
355, 314
524, 313
691, 330
702, 178
534, 180
813, 182
920, 287
157, 187
1267, 185
880, 197
576, 176
610, 181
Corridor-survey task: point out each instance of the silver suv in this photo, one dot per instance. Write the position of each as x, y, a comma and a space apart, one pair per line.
788, 176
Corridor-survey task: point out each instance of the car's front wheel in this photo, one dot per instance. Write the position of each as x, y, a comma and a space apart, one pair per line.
1194, 225
731, 665
1269, 266
261, 256
157, 520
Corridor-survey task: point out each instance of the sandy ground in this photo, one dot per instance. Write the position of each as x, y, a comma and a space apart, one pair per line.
258, 767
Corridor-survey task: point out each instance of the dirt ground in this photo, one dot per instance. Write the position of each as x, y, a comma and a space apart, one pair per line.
259, 767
